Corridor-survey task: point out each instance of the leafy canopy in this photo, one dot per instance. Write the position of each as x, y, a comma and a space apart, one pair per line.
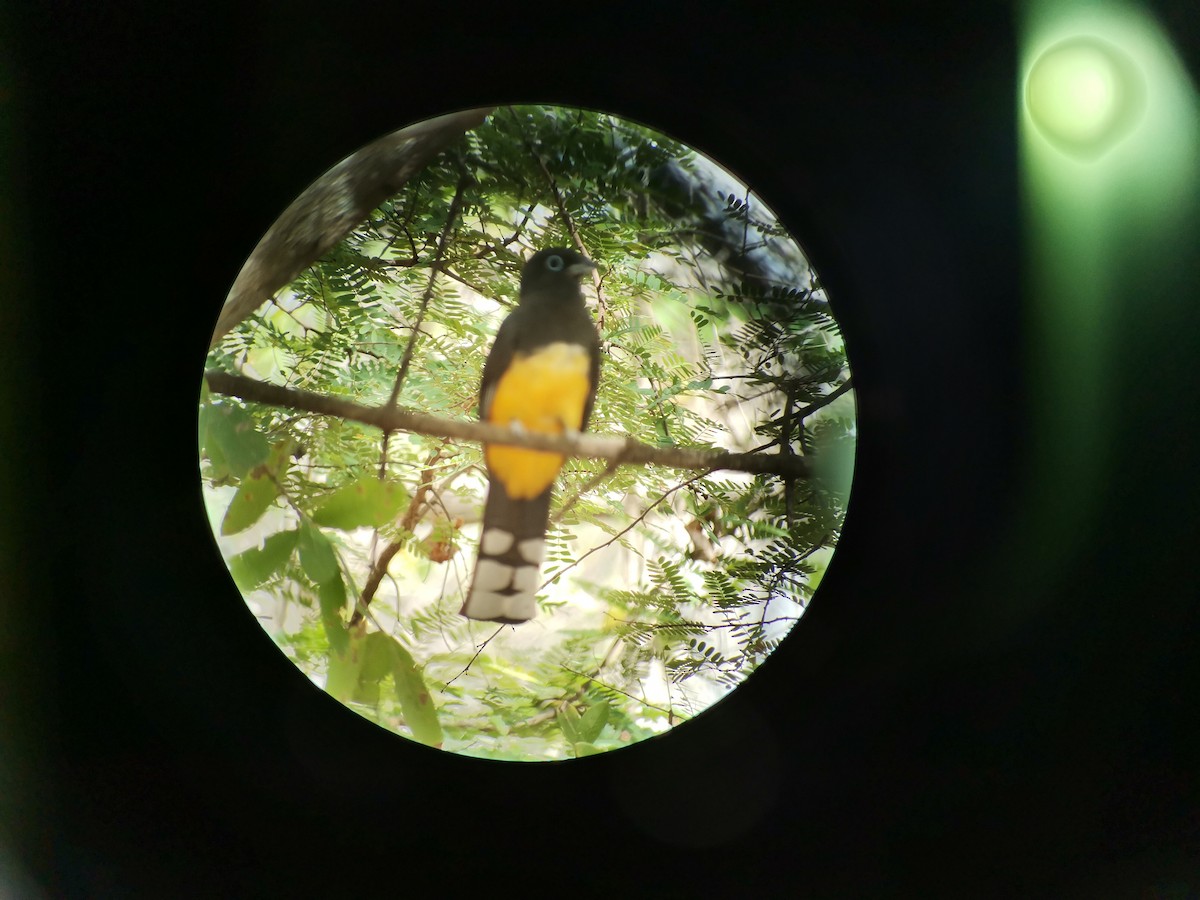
663, 588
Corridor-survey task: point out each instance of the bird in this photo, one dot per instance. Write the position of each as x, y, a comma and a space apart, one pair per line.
540, 376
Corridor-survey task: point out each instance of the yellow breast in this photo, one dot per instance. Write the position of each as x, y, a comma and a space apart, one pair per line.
545, 391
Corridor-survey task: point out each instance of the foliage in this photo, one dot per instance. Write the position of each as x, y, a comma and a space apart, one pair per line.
663, 589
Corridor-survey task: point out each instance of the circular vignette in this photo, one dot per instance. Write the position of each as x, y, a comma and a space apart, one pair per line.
342, 462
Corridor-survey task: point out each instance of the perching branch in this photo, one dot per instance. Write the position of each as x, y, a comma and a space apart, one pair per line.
623, 451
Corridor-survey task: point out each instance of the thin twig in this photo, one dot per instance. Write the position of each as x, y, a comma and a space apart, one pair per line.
785, 445
479, 289
620, 534
591, 483
561, 703
826, 400
379, 569
451, 219
609, 687
476, 656
492, 248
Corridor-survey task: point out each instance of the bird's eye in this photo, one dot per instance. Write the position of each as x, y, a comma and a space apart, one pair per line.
555, 263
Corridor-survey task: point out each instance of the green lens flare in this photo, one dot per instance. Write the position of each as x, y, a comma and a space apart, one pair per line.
1085, 95
1109, 138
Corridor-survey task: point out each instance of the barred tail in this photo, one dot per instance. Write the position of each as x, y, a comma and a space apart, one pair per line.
511, 547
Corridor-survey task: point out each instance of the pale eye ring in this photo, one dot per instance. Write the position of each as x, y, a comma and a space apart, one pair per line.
555, 263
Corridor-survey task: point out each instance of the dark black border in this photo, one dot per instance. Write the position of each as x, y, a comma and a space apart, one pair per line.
910, 738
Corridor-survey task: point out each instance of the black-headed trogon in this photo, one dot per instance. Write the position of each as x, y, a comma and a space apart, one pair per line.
540, 376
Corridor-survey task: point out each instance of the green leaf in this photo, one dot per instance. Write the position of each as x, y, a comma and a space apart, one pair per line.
279, 457
379, 661
332, 597
419, 712
592, 722
345, 666
583, 748
248, 504
216, 457
231, 431
367, 692
367, 501
252, 568
568, 723
316, 555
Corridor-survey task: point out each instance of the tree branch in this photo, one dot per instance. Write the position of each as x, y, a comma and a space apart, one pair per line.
471, 662
451, 219
623, 451
332, 205
826, 400
407, 524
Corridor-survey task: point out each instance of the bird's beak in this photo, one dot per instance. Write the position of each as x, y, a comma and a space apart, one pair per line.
581, 268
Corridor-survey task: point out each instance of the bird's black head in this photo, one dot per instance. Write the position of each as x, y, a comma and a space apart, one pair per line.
554, 266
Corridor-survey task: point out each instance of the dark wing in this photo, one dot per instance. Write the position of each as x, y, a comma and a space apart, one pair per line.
593, 374
498, 360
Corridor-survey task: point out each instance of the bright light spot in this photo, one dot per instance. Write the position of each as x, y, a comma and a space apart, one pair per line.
1072, 91
1084, 95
